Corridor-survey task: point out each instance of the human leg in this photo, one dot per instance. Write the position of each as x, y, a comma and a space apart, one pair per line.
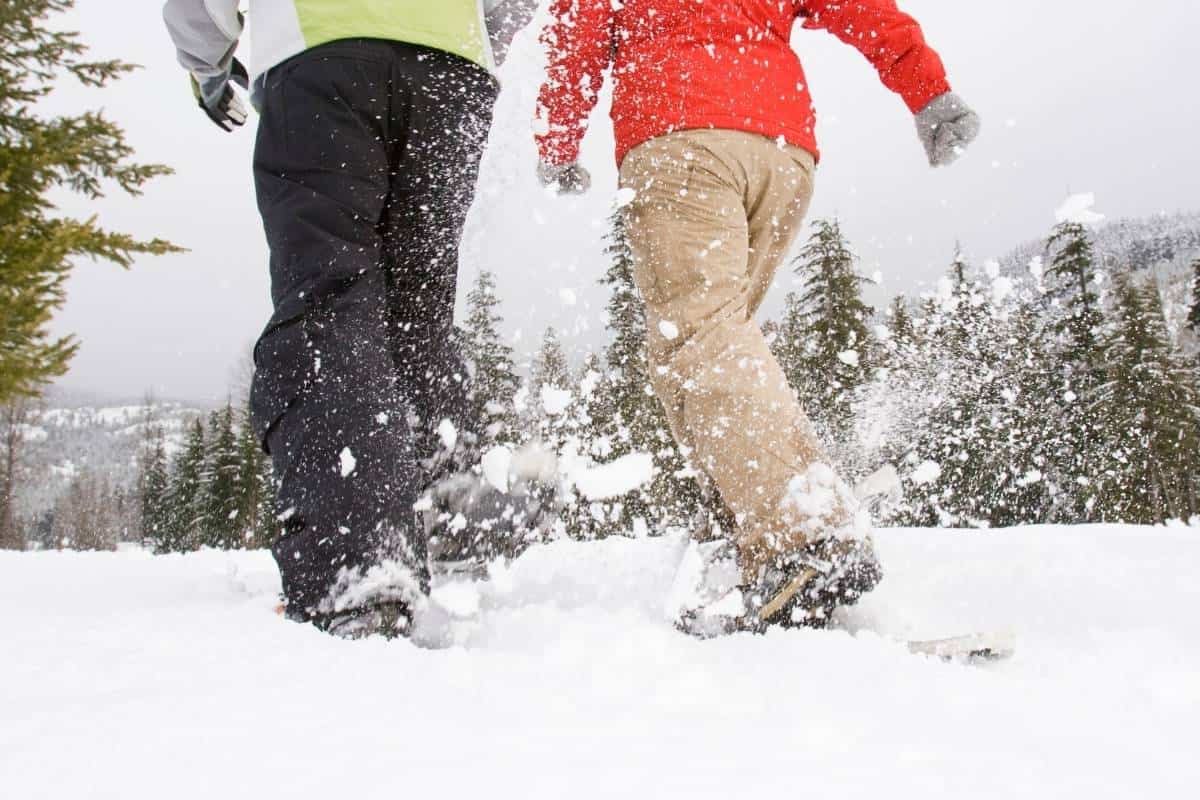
324, 396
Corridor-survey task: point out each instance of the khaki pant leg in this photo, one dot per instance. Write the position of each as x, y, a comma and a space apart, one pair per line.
702, 198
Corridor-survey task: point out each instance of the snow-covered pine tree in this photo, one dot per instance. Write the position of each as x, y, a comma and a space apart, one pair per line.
220, 501
595, 431
40, 157
957, 408
900, 321
831, 320
549, 369
495, 380
185, 522
1076, 368
1149, 415
956, 434
551, 393
152, 487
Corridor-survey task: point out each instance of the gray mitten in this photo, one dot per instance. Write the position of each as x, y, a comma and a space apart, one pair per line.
565, 178
946, 126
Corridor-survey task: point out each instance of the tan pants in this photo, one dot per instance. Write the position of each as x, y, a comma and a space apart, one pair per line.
714, 214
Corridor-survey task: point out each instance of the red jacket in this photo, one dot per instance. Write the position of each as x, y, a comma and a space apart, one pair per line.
681, 64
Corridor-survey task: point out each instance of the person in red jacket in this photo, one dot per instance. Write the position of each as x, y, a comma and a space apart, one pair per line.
715, 134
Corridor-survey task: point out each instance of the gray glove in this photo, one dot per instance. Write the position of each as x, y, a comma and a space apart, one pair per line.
946, 126
219, 101
565, 178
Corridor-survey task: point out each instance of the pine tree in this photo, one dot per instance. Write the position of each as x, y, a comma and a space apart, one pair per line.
186, 523
1194, 315
14, 417
552, 407
549, 368
495, 380
900, 320
1149, 409
220, 501
255, 489
1075, 369
832, 321
1073, 276
38, 157
152, 485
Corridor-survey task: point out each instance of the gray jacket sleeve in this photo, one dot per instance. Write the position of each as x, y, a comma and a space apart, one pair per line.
505, 19
206, 34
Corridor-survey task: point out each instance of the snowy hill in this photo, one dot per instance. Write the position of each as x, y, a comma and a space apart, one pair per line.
1136, 244
129, 676
64, 440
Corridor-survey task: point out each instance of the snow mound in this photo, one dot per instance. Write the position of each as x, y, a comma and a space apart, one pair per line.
132, 676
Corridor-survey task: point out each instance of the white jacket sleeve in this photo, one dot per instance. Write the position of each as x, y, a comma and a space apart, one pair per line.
205, 33
505, 18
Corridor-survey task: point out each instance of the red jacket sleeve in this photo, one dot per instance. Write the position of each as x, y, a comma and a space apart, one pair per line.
890, 39
578, 44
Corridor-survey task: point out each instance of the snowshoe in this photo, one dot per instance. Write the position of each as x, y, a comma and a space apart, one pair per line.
483, 507
711, 597
389, 619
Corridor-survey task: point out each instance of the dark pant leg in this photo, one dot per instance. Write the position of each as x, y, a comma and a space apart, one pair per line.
445, 116
324, 396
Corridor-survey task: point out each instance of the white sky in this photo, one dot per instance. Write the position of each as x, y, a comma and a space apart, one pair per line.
1076, 95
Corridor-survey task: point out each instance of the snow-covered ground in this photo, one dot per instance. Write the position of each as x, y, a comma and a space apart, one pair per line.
130, 676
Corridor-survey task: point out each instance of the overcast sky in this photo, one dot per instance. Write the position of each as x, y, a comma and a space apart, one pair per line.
1076, 95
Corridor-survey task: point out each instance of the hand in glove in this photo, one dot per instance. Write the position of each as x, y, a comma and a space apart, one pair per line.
946, 126
565, 178
218, 99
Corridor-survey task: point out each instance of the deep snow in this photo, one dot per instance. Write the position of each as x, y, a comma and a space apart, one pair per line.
130, 676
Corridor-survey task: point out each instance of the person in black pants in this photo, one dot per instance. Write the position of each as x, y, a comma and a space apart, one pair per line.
365, 166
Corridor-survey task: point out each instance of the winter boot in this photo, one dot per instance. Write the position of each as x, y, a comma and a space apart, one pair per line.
712, 596
389, 619
483, 506
377, 599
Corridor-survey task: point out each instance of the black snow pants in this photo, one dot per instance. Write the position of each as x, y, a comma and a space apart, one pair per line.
365, 167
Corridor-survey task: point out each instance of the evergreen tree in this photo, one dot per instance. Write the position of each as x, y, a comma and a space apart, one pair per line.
1075, 369
900, 320
1149, 410
550, 368
495, 380
38, 157
1194, 314
551, 394
1073, 276
14, 417
152, 484
221, 501
186, 523
832, 321
255, 489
